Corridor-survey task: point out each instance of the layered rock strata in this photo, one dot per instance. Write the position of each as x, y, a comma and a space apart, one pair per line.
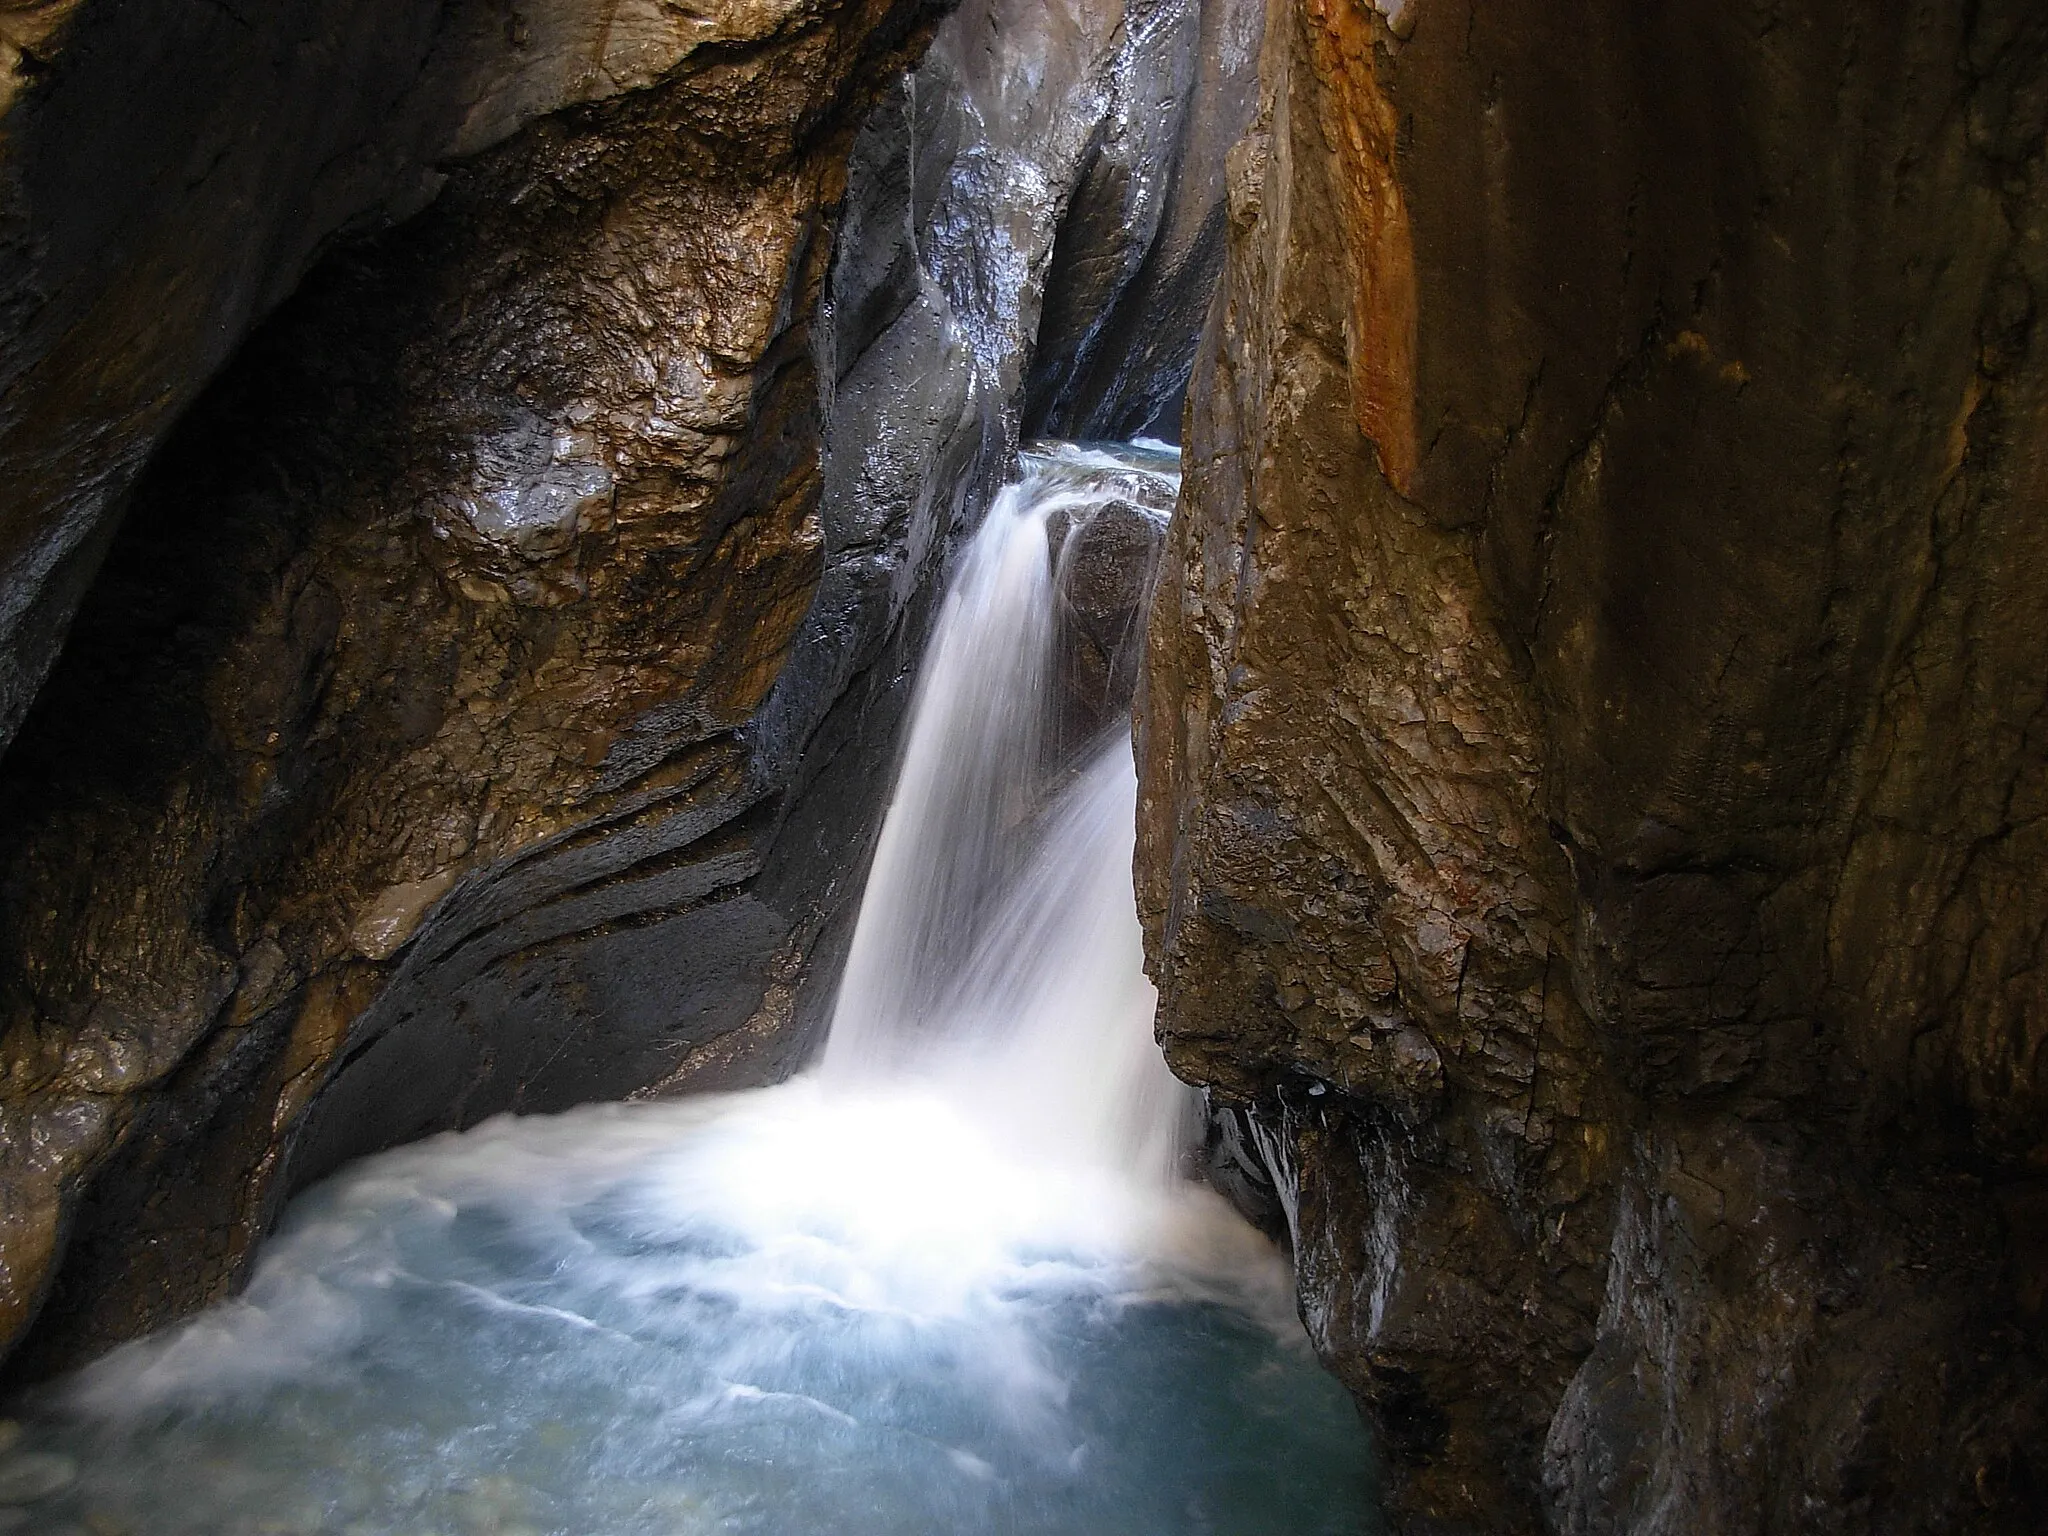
1593, 771
424, 651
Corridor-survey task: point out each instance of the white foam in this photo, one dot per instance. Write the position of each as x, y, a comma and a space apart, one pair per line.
896, 1268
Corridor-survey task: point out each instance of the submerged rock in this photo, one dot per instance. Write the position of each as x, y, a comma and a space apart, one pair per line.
1102, 569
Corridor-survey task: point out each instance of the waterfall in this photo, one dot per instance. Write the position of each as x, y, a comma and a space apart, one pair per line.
969, 773
998, 953
947, 1282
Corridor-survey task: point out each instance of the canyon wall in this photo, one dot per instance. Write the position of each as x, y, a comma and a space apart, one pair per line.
1592, 811
485, 696
409, 701
169, 172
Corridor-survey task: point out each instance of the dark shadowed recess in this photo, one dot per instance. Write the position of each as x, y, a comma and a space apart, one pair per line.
1140, 240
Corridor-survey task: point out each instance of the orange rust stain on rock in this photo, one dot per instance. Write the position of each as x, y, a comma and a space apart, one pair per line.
1361, 124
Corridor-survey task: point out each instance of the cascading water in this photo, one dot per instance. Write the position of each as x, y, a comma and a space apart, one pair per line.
948, 1282
998, 954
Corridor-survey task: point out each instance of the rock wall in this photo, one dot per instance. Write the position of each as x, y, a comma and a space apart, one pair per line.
1593, 763
487, 700
414, 684
168, 172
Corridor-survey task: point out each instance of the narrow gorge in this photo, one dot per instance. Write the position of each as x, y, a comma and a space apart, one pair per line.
581, 585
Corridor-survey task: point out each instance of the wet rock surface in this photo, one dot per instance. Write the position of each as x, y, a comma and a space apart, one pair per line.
1103, 566
1140, 235
489, 699
170, 172
936, 333
1591, 751
394, 772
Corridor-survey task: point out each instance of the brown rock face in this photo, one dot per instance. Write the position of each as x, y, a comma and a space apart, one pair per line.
1593, 771
428, 648
168, 173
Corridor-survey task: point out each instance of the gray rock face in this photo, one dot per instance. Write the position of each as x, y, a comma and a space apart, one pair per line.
1140, 239
489, 699
936, 340
1592, 758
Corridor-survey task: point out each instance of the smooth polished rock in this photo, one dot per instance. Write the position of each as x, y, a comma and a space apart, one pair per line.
1103, 566
170, 172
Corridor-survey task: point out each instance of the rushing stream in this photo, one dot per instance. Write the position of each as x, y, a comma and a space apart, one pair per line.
949, 1281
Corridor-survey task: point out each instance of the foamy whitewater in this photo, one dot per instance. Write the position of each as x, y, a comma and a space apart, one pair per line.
948, 1281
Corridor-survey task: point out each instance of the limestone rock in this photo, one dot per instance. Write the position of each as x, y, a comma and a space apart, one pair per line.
1102, 571
169, 172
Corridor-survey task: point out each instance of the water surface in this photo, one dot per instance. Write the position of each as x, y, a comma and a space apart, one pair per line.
952, 1281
